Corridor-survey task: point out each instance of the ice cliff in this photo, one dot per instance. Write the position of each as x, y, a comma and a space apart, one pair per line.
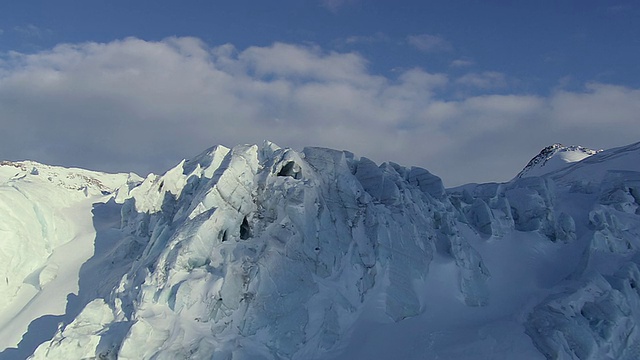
260, 252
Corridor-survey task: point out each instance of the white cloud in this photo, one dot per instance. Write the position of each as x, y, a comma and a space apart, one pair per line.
429, 43
304, 63
601, 108
142, 105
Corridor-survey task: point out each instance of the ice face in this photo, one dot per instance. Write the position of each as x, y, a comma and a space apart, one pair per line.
597, 320
280, 251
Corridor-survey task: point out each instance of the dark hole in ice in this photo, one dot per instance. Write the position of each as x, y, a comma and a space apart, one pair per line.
223, 236
245, 230
290, 169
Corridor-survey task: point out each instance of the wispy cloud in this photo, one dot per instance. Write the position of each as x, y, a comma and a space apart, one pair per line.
142, 105
429, 43
359, 39
619, 9
32, 31
461, 63
335, 5
484, 80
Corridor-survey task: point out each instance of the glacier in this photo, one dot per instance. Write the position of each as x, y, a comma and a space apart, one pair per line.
262, 252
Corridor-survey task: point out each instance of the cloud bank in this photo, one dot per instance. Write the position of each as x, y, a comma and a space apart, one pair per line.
135, 105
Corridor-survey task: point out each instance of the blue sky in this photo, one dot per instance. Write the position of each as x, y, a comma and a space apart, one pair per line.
540, 42
467, 89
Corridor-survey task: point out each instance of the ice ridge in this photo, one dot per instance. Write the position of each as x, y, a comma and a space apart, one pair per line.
262, 252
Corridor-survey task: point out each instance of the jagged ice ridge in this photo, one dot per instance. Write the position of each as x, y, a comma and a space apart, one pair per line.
259, 252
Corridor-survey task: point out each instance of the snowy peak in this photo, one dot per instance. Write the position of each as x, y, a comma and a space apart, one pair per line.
555, 157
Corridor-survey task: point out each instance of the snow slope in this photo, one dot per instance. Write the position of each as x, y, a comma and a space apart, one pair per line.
259, 252
47, 234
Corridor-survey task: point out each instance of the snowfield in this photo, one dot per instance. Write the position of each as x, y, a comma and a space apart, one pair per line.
260, 252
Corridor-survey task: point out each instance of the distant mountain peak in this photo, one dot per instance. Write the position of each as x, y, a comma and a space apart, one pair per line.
554, 157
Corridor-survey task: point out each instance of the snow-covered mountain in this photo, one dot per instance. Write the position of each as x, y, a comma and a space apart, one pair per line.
554, 157
259, 252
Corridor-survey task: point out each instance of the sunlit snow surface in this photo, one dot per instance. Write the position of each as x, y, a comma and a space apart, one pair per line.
259, 252
47, 233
